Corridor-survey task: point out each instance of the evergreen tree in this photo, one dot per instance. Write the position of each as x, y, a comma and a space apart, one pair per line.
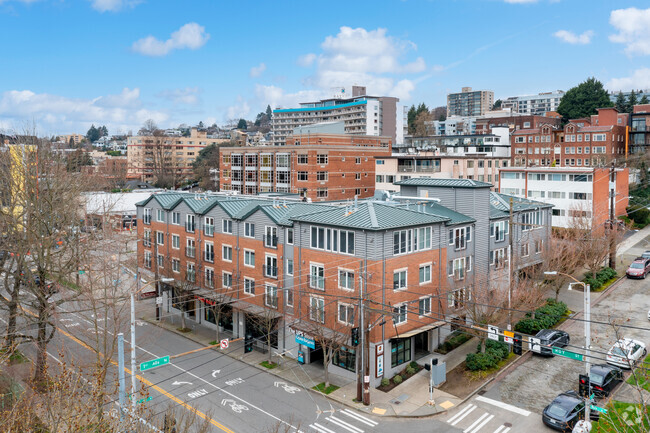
643, 100
620, 103
269, 112
200, 124
410, 119
242, 124
93, 134
631, 101
584, 100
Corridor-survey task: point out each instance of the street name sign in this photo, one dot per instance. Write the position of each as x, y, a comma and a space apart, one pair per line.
598, 409
154, 363
567, 354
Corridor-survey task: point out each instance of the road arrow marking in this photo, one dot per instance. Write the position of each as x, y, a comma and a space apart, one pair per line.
277, 384
288, 388
215, 372
181, 383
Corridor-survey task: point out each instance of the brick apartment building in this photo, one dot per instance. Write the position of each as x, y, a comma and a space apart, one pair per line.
302, 266
317, 166
640, 128
514, 122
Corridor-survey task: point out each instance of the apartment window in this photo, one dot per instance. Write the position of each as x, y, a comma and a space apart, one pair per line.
470, 164
316, 276
303, 176
208, 226
499, 230
321, 193
176, 265
599, 137
400, 279
321, 176
160, 238
288, 297
459, 237
146, 215
271, 237
189, 223
249, 286
390, 178
406, 241
303, 159
457, 298
321, 159
289, 266
379, 178
357, 176
176, 242
498, 257
317, 309
249, 258
190, 248
459, 266
160, 215
249, 230
357, 191
524, 250
346, 279
270, 296
226, 226
209, 277
147, 259
191, 273
380, 162
400, 351
539, 243
226, 252
226, 280
400, 314
146, 239
346, 314
340, 241
424, 306
271, 266
226, 159
289, 236
425, 274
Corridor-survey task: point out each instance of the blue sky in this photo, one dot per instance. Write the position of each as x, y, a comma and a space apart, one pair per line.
70, 63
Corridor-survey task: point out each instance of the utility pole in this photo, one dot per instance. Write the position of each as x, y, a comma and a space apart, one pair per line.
587, 300
133, 386
511, 236
612, 226
362, 335
366, 349
120, 363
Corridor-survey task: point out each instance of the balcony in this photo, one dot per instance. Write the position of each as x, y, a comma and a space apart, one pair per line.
416, 169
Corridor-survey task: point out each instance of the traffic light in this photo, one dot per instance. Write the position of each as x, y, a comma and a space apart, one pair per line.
516, 347
248, 343
583, 385
354, 336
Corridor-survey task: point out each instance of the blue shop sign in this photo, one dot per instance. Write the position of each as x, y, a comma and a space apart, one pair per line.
305, 341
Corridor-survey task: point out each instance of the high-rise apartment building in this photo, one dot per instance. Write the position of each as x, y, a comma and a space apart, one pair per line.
469, 102
361, 113
536, 105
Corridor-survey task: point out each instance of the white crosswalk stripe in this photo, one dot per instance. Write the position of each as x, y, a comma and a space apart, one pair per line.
480, 426
360, 418
501, 427
320, 428
468, 429
344, 424
462, 414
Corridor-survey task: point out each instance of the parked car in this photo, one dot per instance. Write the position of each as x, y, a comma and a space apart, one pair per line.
626, 352
639, 268
550, 338
646, 254
604, 378
565, 411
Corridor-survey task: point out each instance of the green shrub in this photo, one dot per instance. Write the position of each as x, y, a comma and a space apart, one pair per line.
546, 317
481, 361
385, 382
452, 341
414, 365
639, 214
602, 277
410, 370
397, 379
501, 350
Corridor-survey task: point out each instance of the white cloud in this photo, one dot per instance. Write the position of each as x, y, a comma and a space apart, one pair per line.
187, 96
239, 110
58, 114
306, 60
256, 71
640, 79
277, 98
572, 38
191, 35
112, 5
633, 27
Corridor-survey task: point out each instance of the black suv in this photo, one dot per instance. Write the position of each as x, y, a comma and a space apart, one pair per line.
550, 338
564, 412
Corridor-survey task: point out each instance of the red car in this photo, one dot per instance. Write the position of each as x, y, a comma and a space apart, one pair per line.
639, 268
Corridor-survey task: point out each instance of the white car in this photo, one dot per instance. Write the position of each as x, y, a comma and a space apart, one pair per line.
626, 352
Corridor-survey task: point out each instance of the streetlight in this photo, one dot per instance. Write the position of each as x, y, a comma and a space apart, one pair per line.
587, 319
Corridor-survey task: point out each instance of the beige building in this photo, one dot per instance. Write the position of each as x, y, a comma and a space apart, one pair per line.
148, 154
398, 167
469, 102
76, 138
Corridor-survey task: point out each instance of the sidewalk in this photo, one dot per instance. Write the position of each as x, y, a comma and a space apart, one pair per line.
408, 399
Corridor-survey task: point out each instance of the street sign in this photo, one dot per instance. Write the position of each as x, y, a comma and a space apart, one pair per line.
224, 343
154, 363
509, 337
534, 344
592, 397
144, 399
598, 409
493, 332
567, 354
158, 300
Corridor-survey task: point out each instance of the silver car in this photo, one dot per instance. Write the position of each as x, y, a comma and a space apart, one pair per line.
626, 352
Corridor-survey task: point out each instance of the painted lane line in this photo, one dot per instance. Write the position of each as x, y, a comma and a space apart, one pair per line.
462, 411
358, 417
344, 424
462, 414
501, 427
475, 423
480, 426
506, 430
503, 405
320, 428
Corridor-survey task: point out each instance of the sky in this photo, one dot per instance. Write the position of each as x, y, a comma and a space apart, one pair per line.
67, 64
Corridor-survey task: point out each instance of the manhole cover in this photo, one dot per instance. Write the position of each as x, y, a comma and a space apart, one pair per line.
507, 424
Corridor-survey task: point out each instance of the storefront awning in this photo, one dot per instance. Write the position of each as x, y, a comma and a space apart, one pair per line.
254, 309
420, 330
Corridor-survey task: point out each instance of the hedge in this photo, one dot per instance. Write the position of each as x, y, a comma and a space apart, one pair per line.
546, 317
453, 341
495, 351
602, 276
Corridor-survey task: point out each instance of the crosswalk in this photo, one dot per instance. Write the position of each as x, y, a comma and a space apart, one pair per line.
473, 419
345, 419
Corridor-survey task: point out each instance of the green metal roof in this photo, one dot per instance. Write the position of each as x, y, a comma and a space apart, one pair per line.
282, 213
370, 216
444, 183
454, 217
502, 202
